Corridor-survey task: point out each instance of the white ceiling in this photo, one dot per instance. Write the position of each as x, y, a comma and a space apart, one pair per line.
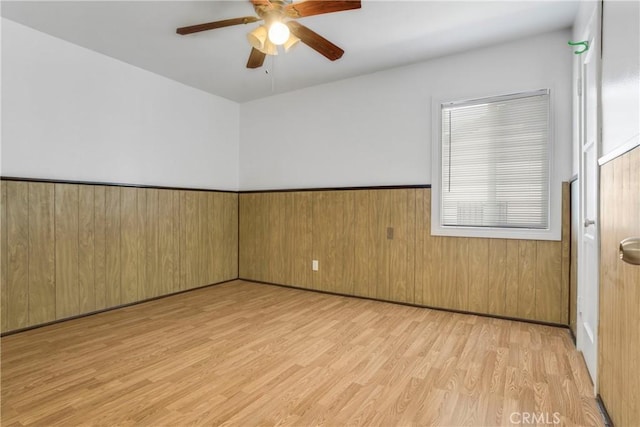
380, 35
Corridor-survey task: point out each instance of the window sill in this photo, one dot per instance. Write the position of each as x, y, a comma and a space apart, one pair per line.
496, 233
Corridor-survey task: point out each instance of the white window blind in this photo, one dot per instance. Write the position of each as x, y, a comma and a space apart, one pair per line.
495, 162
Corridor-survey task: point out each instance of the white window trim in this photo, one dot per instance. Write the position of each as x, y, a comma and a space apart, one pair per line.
554, 231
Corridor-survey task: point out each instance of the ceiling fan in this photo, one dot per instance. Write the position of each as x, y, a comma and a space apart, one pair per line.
281, 28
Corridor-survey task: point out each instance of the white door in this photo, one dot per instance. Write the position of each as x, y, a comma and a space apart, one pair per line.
588, 274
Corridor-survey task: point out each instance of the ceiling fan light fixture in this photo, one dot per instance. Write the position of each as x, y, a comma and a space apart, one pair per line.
291, 42
269, 48
258, 37
278, 33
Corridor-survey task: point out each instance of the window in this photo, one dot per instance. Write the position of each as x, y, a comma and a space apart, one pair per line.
494, 163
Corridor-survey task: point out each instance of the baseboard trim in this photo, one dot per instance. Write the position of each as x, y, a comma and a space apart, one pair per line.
604, 412
408, 304
91, 313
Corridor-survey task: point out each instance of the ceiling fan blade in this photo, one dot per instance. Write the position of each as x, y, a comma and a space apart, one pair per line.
217, 24
256, 58
266, 3
315, 41
317, 7
262, 7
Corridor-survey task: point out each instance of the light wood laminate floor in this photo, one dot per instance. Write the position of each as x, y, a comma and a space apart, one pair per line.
250, 354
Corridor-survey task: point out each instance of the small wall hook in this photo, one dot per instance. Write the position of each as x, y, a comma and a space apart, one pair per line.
584, 44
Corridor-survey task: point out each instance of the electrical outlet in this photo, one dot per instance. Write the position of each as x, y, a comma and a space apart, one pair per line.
314, 265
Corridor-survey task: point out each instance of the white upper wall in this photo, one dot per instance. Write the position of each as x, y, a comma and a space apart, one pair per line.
73, 114
376, 129
620, 76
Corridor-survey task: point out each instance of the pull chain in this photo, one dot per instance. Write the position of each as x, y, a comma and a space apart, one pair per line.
273, 73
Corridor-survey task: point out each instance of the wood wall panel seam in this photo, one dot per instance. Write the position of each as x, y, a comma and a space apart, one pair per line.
41, 280
67, 250
100, 247
141, 242
112, 246
128, 245
17, 255
86, 246
3, 257
497, 276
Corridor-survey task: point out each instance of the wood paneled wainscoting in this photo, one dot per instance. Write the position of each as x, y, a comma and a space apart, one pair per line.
619, 334
377, 243
71, 249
